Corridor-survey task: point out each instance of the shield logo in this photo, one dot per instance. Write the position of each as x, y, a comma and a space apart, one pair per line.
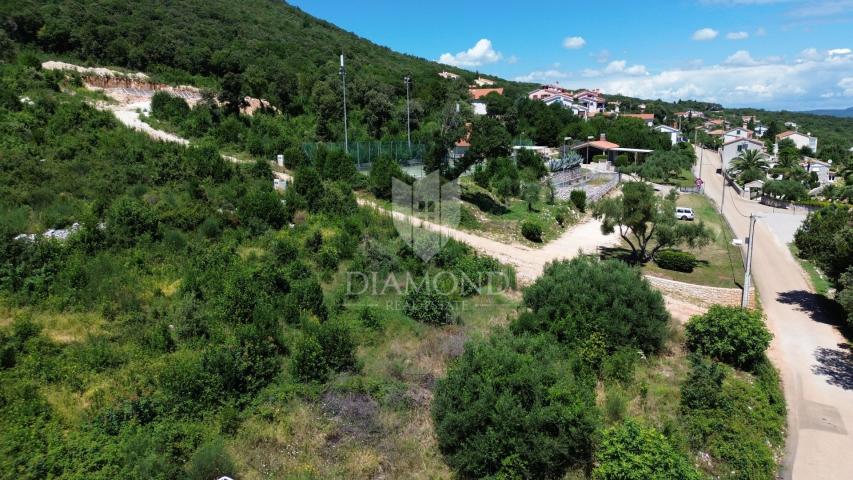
424, 211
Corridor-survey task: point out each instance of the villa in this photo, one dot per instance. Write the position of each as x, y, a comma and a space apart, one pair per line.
647, 118
674, 133
800, 140
733, 148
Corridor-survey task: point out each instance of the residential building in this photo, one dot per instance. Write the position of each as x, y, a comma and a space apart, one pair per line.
733, 148
591, 148
690, 114
479, 108
760, 130
591, 99
448, 75
483, 82
800, 139
735, 133
647, 118
822, 169
546, 91
674, 133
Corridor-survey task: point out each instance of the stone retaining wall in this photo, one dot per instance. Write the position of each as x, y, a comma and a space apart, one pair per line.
700, 295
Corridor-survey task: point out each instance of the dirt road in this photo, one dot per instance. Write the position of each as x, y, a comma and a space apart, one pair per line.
812, 356
530, 262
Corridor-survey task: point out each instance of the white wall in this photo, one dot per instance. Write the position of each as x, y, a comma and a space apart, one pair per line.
733, 150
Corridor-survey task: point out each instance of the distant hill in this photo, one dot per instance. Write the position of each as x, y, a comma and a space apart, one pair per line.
844, 113
279, 51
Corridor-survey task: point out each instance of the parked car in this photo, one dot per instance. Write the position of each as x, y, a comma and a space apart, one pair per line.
684, 213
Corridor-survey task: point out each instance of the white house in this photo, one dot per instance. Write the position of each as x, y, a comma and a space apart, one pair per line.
674, 133
448, 75
800, 140
484, 82
547, 91
591, 99
760, 130
690, 114
735, 133
561, 99
824, 175
479, 108
733, 148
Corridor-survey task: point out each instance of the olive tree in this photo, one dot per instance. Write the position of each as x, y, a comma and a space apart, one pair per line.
646, 221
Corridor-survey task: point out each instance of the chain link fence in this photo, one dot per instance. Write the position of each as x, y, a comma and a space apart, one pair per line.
364, 153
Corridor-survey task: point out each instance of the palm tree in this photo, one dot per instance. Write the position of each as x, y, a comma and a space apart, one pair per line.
748, 166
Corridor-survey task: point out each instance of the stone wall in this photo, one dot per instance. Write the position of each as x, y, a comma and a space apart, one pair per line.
700, 295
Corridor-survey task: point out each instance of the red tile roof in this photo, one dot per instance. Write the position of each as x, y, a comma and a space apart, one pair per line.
482, 92
644, 116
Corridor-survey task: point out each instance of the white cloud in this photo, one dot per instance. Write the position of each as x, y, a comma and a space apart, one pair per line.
574, 42
615, 66
846, 85
760, 32
543, 76
512, 60
704, 34
737, 35
620, 67
772, 82
480, 54
741, 57
839, 51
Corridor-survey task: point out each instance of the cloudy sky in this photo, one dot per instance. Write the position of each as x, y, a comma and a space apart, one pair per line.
766, 53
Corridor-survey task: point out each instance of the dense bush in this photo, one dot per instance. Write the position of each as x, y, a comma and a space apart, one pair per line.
738, 421
531, 230
729, 334
426, 305
676, 260
383, 170
632, 451
506, 409
578, 199
575, 298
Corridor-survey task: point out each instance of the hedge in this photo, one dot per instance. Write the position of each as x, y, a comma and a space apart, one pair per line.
531, 231
675, 260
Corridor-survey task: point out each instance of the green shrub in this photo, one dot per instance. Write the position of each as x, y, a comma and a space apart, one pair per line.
562, 215
632, 451
599, 158
309, 364
619, 366
738, 419
338, 345
675, 260
575, 298
427, 306
729, 334
578, 199
210, 461
531, 230
506, 409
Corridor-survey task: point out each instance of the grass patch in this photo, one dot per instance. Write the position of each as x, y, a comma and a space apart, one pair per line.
720, 263
819, 282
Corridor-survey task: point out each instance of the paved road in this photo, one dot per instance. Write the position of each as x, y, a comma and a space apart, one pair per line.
812, 356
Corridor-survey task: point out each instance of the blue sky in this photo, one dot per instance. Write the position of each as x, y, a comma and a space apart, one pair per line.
764, 53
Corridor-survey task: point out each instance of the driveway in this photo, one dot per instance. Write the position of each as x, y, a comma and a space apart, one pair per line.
812, 356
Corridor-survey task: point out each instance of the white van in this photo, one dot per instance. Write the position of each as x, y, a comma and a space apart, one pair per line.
684, 213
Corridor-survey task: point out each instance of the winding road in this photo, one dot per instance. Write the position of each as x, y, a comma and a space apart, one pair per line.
812, 356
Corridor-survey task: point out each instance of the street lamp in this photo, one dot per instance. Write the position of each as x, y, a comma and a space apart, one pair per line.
343, 74
408, 80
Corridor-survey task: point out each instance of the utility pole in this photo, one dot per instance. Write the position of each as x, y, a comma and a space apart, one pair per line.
343, 73
701, 158
747, 277
408, 80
